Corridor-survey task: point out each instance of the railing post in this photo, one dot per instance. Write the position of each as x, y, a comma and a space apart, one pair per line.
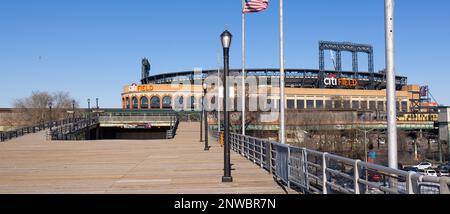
305, 168
254, 150
409, 184
324, 173
289, 167
356, 177
241, 145
270, 158
261, 154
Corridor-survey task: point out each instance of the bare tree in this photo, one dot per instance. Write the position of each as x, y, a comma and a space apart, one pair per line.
35, 108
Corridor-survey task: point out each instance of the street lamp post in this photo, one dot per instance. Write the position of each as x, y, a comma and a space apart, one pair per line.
89, 109
73, 111
96, 101
50, 105
205, 116
201, 122
226, 38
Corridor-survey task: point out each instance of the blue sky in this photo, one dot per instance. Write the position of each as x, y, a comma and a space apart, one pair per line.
92, 48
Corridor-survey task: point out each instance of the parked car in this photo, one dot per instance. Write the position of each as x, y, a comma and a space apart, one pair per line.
410, 169
424, 165
444, 167
375, 176
428, 172
444, 172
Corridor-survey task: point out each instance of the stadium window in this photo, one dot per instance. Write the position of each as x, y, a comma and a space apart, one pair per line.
167, 102
155, 102
404, 106
135, 103
364, 105
128, 103
319, 104
380, 106
347, 104
310, 104
355, 104
329, 104
372, 105
300, 104
144, 103
338, 104
291, 104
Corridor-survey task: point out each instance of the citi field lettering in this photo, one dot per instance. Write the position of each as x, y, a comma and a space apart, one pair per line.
332, 80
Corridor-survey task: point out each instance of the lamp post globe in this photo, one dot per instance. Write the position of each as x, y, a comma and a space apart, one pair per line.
226, 38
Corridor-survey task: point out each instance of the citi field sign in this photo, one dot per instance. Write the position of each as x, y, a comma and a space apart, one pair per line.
332, 80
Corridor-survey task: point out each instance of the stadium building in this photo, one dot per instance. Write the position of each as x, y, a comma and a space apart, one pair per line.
305, 88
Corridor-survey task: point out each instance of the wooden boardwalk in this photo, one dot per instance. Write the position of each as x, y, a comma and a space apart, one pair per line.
31, 164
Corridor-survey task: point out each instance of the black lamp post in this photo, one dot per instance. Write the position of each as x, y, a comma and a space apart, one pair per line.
96, 101
89, 109
73, 111
50, 105
205, 116
201, 123
226, 43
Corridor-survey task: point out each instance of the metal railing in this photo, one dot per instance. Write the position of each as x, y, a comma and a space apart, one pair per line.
172, 132
73, 131
315, 172
9, 135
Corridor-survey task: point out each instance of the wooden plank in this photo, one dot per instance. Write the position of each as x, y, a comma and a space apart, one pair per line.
31, 164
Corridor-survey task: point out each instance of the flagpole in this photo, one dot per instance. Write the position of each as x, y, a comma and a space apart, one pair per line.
282, 92
391, 88
243, 69
218, 93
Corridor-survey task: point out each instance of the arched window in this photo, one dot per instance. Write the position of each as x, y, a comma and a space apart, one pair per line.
179, 103
167, 102
135, 103
127, 103
144, 103
155, 102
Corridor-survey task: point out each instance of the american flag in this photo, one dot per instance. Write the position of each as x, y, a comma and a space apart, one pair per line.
253, 6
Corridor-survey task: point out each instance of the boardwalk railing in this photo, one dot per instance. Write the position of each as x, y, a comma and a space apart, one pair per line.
310, 171
9, 135
172, 132
77, 130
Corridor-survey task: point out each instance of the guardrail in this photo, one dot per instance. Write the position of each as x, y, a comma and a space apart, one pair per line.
9, 135
73, 131
315, 172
